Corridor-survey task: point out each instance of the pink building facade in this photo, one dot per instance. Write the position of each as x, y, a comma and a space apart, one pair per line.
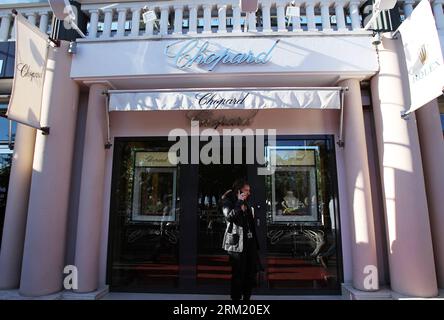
353, 208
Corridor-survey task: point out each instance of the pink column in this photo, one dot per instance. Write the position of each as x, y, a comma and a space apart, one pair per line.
89, 222
17, 208
44, 249
432, 150
359, 190
411, 262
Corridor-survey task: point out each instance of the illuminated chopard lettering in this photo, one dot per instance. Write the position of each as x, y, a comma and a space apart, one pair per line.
188, 53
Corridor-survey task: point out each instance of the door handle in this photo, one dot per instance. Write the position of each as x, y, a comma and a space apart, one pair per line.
258, 223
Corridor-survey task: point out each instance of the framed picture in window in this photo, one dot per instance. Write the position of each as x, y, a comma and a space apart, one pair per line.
154, 190
294, 185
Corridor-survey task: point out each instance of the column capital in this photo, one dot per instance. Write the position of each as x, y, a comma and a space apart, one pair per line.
354, 3
326, 2
91, 11
178, 7
412, 2
281, 3
119, 10
5, 15
107, 10
438, 2
207, 6
339, 3
105, 84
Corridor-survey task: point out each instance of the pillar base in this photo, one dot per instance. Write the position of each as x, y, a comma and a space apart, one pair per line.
15, 295
62, 295
94, 295
385, 293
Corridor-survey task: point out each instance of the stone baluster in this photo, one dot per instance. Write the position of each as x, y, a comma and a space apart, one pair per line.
43, 25
325, 15
266, 19
354, 14
107, 22
135, 21
121, 21
340, 17
222, 15
236, 18
164, 12
311, 19
280, 11
178, 19
207, 18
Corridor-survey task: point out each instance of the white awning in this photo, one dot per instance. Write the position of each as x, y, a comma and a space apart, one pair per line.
210, 99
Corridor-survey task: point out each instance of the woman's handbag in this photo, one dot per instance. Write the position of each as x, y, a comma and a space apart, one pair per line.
232, 241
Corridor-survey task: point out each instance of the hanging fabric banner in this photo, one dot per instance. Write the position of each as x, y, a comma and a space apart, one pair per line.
30, 63
423, 56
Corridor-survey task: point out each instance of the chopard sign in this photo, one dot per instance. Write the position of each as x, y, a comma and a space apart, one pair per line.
204, 53
25, 71
209, 119
212, 100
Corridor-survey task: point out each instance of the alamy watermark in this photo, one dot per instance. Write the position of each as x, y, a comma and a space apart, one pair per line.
232, 144
71, 280
371, 279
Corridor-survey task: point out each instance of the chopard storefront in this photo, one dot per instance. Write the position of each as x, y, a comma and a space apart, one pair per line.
189, 117
162, 128
166, 226
150, 118
148, 125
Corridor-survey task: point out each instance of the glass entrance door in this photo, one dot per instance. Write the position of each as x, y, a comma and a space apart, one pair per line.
302, 251
166, 226
213, 269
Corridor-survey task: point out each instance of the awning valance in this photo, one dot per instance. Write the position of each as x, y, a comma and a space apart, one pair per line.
210, 99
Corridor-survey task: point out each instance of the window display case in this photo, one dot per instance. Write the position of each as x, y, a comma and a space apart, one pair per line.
154, 194
293, 184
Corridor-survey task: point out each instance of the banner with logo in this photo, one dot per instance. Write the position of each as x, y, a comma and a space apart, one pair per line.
31, 52
423, 55
321, 98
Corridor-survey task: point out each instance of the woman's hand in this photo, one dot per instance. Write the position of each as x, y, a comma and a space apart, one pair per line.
241, 196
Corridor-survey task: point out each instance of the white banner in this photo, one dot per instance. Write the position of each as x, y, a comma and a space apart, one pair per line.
225, 99
423, 55
31, 49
